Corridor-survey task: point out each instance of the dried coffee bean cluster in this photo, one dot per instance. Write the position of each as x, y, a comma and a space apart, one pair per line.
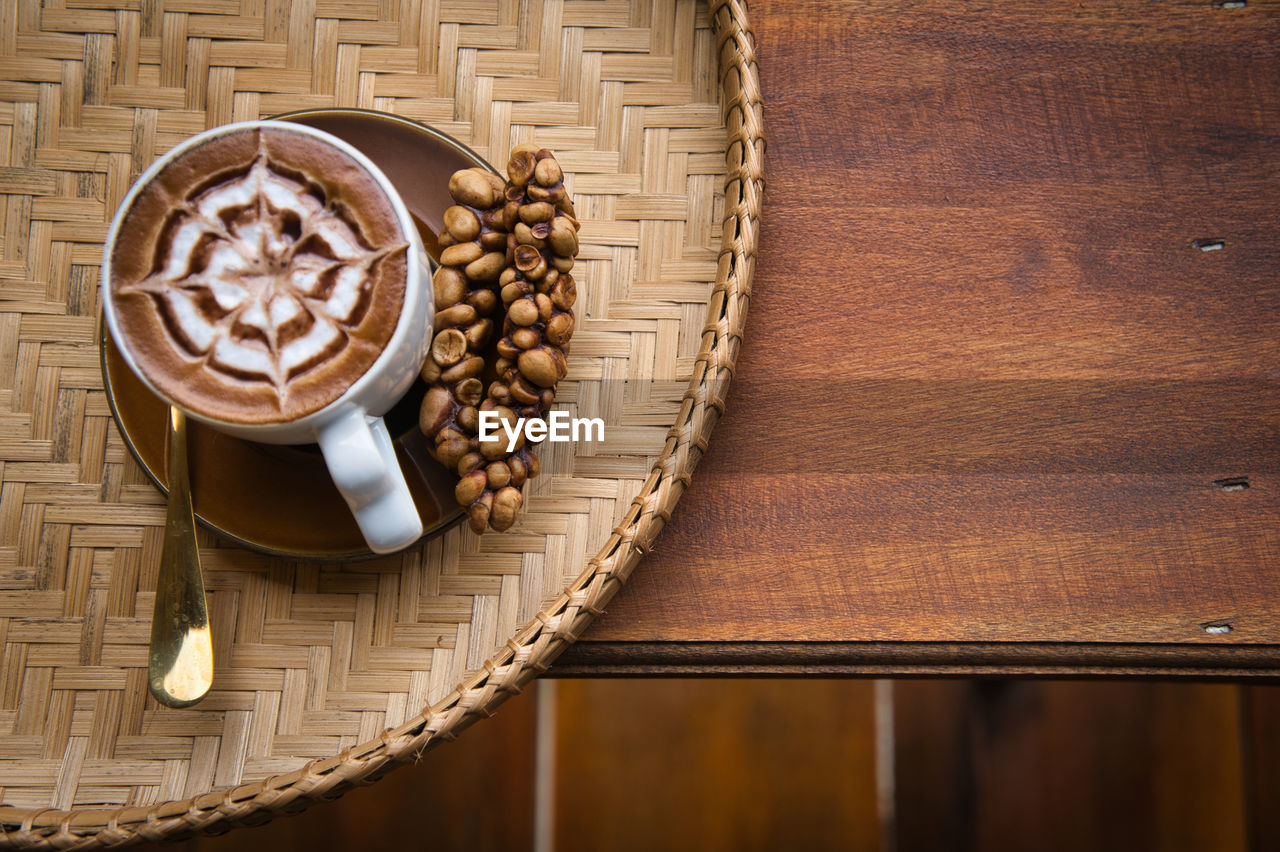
517, 239
537, 289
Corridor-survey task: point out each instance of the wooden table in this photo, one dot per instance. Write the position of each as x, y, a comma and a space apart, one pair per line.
1009, 396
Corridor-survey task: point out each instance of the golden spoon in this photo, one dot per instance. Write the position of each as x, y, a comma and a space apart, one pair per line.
181, 669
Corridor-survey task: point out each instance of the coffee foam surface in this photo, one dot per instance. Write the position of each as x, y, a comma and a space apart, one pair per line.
258, 276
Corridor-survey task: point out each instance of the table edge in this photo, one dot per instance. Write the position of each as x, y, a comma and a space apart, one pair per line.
912, 659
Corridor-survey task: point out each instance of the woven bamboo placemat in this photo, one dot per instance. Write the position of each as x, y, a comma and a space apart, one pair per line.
330, 674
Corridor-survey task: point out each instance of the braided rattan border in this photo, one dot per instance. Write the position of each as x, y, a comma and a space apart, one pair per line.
531, 651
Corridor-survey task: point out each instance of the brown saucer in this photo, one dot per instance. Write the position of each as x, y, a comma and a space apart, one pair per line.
280, 499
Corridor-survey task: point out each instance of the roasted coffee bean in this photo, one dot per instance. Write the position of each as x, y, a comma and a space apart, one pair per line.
461, 254
468, 417
539, 367
449, 433
519, 473
530, 262
547, 172
477, 334
514, 291
562, 366
526, 237
460, 314
469, 462
448, 452
544, 305
484, 301
437, 407
539, 193
448, 347
564, 293
472, 188
525, 257
478, 514
520, 166
505, 508
563, 238
470, 487
526, 338
532, 214
523, 392
487, 267
464, 369
559, 329
463, 224
499, 475
507, 349
516, 466
469, 391
449, 285
523, 312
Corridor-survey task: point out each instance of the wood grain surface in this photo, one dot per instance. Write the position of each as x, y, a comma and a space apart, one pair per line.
1066, 766
835, 764
730, 764
1010, 374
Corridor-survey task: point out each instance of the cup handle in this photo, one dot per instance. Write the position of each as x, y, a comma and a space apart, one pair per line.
362, 461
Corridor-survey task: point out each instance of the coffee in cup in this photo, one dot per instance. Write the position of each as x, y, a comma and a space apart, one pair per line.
266, 278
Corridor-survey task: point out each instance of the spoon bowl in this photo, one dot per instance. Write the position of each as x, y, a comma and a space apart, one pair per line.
181, 665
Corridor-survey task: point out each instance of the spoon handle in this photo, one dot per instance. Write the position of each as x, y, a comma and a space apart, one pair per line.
181, 669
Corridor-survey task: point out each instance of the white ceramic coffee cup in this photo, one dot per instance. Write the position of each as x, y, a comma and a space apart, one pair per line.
357, 447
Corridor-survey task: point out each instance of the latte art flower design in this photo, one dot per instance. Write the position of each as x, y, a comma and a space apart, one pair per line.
261, 277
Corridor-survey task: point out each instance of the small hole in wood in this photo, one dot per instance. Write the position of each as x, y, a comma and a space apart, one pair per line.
1217, 628
1209, 243
1229, 4
1232, 483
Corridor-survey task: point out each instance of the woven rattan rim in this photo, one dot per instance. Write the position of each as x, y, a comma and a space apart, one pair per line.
534, 647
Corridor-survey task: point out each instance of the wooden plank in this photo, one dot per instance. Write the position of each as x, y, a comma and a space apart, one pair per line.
975, 558
719, 764
990, 377
1261, 744
1051, 765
